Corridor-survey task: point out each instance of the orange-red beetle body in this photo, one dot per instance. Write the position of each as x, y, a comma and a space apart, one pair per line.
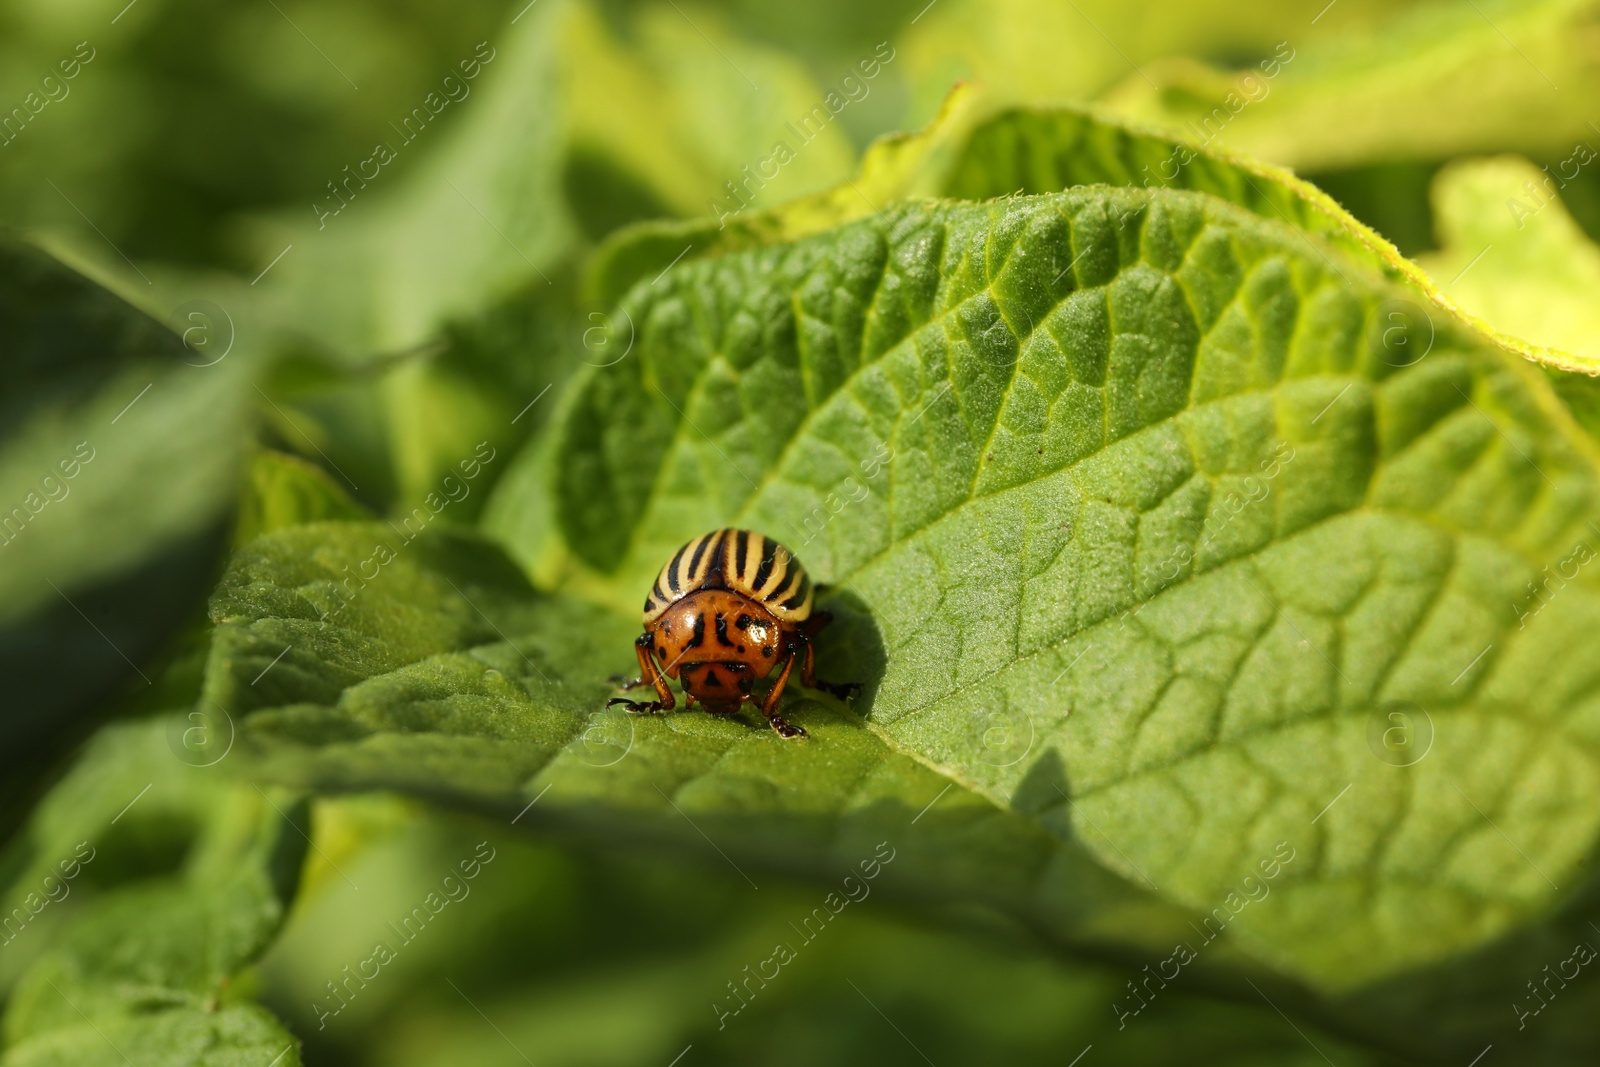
726, 610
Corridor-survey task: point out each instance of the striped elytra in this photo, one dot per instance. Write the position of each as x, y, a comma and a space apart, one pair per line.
741, 561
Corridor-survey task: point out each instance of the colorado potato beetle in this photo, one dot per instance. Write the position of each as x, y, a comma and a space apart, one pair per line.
729, 607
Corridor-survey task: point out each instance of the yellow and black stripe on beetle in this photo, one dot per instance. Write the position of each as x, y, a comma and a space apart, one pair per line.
724, 612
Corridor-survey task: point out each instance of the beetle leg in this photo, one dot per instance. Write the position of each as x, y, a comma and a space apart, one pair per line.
648, 675
769, 706
808, 671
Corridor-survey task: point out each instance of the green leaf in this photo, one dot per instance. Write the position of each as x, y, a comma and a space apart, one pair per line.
895, 167
235, 111
462, 244
618, 119
1436, 81
1039, 52
599, 956
120, 450
483, 391
445, 674
1078, 393
977, 149
1036, 151
154, 883
285, 490
1512, 255
1139, 474
687, 108
221, 1038
980, 148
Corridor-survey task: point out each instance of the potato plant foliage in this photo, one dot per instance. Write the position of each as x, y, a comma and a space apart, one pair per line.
1218, 576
